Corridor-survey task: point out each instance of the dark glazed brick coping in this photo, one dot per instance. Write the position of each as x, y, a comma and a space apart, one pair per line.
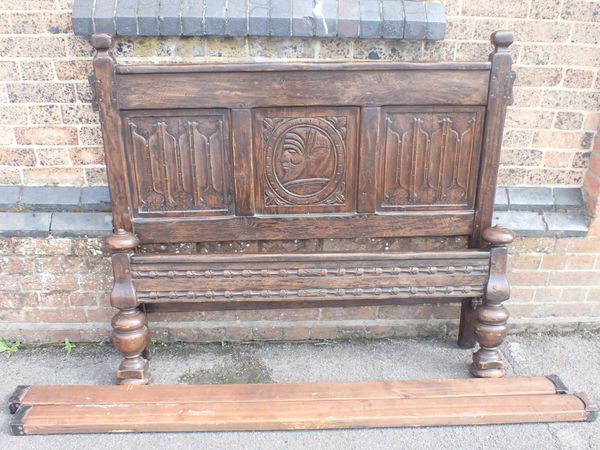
54, 198
65, 224
539, 198
70, 211
31, 224
363, 19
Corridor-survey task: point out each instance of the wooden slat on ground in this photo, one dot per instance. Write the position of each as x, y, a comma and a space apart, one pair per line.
114, 409
82, 394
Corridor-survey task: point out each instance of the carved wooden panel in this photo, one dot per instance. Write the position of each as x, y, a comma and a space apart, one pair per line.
429, 158
311, 276
305, 159
180, 163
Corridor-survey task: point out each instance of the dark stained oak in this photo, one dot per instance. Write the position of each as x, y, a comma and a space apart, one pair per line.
319, 276
499, 97
368, 157
302, 88
404, 224
180, 162
268, 151
243, 162
130, 333
428, 158
101, 83
306, 160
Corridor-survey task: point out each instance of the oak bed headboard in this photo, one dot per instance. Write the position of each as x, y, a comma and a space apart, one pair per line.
269, 151
266, 151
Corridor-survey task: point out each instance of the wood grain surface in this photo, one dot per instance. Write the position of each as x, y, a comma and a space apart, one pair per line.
119, 409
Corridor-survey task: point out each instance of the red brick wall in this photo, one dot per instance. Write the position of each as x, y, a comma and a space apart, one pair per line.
56, 288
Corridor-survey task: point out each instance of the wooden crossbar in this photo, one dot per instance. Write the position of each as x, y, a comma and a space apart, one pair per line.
118, 409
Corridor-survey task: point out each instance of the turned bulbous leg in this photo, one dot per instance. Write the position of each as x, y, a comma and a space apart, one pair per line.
131, 337
130, 327
490, 333
491, 328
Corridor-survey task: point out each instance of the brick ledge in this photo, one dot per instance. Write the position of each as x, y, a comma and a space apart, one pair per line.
38, 211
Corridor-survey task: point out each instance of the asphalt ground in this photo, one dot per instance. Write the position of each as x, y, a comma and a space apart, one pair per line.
575, 358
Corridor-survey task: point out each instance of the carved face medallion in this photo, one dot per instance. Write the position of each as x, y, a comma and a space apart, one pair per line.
304, 161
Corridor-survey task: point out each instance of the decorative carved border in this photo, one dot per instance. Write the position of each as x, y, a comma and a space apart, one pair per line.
283, 273
396, 292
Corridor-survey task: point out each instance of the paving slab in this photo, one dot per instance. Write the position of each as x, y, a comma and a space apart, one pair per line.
370, 19
575, 358
147, 18
281, 14
104, 17
393, 18
302, 25
168, 17
436, 21
192, 16
81, 16
215, 17
258, 18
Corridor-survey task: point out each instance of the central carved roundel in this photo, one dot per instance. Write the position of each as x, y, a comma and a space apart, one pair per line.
305, 160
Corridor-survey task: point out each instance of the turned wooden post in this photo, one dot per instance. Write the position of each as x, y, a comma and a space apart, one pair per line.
500, 96
130, 331
490, 329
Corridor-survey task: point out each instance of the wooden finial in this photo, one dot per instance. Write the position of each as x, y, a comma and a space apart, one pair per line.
502, 40
122, 240
102, 41
498, 235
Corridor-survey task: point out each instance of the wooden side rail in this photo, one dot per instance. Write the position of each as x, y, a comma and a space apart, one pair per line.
120, 409
313, 277
106, 395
